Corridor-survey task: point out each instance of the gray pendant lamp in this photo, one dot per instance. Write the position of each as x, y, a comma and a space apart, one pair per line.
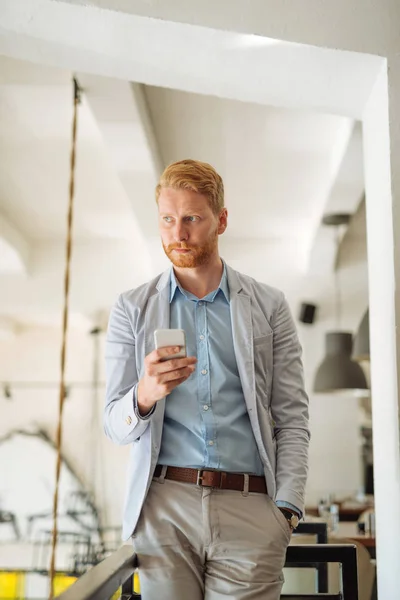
338, 373
361, 340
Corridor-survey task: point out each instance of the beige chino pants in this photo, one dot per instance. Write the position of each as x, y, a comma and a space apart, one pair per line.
197, 543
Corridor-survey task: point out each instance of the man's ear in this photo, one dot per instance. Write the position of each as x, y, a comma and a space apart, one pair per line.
223, 221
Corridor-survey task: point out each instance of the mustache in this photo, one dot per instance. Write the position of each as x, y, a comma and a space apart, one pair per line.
182, 246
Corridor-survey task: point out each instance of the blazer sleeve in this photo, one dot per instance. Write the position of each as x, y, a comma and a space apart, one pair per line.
289, 408
122, 421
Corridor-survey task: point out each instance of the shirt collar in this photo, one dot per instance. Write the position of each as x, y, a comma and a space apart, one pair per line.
223, 286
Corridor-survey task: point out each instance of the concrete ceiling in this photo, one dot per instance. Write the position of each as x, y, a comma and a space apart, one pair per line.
35, 139
282, 166
275, 162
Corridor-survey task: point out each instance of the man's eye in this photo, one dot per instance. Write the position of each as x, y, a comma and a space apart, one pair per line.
168, 219
192, 219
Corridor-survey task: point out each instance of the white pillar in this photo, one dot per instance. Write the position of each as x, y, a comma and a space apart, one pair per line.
381, 155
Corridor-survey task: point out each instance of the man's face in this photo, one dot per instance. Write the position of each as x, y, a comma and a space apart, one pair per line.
189, 229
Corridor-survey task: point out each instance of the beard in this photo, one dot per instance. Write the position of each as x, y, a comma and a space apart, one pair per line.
198, 255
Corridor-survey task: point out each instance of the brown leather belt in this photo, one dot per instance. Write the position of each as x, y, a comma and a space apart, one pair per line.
217, 479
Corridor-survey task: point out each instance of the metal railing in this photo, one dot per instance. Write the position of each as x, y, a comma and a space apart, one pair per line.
103, 580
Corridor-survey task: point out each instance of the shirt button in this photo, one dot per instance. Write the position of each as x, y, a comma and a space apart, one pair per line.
205, 407
211, 443
204, 372
201, 303
202, 337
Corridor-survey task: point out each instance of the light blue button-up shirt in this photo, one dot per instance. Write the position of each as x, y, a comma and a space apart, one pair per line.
206, 423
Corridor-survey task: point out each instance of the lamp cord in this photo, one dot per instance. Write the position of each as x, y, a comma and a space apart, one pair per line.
338, 299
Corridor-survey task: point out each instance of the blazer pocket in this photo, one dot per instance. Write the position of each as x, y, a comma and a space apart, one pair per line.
263, 339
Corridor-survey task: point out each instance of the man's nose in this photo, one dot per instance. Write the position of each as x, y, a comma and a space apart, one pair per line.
181, 233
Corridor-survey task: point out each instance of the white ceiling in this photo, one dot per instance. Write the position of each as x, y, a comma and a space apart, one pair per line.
35, 144
280, 168
280, 165
276, 163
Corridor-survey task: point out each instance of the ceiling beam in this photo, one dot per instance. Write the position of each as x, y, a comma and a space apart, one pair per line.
345, 196
123, 118
273, 19
143, 109
91, 39
15, 248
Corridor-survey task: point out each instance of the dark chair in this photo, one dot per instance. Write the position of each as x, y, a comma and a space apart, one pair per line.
311, 555
320, 531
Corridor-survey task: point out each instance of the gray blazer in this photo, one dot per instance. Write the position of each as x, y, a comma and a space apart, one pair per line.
268, 357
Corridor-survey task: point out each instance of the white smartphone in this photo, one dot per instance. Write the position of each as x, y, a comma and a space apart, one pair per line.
171, 337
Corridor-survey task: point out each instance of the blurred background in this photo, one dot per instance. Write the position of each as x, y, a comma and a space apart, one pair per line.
286, 125
284, 171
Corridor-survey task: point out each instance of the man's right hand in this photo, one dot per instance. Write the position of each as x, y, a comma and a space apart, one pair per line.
162, 376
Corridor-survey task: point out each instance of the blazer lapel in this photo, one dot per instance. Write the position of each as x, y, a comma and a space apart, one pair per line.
242, 331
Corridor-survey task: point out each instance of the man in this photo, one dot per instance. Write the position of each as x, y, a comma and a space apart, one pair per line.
219, 440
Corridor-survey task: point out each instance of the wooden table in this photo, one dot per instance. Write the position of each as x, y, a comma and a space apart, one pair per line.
349, 530
346, 513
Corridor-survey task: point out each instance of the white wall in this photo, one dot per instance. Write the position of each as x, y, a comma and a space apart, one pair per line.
335, 465
335, 448
34, 356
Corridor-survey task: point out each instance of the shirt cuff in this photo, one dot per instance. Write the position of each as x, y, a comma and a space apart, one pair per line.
283, 504
136, 408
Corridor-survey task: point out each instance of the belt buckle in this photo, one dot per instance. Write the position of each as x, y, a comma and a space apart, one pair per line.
199, 477
199, 480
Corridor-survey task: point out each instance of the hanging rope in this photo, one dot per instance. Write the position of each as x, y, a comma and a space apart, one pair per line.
338, 299
64, 336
